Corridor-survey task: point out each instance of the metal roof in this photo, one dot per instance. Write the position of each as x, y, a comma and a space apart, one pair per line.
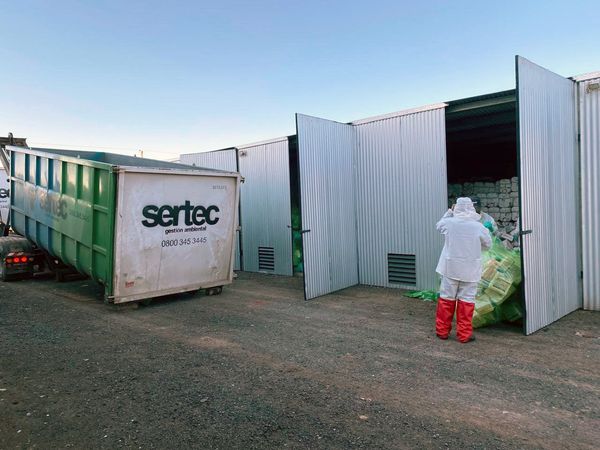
268, 141
481, 98
404, 112
586, 76
208, 151
477, 127
19, 142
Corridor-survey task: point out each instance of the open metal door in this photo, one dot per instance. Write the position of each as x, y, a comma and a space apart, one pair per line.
326, 152
547, 139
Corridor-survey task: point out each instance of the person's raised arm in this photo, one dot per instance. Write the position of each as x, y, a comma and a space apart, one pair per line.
441, 225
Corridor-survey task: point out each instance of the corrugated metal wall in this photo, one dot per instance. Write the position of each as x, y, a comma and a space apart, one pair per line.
549, 194
325, 150
401, 191
220, 160
266, 205
589, 120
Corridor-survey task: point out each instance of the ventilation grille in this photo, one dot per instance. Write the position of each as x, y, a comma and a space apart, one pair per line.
402, 269
266, 259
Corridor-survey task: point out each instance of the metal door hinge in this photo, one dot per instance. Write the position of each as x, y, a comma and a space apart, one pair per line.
524, 232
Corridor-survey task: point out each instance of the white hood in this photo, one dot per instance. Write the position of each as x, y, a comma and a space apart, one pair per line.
464, 209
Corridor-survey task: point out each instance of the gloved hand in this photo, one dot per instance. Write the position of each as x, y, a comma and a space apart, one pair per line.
449, 213
489, 226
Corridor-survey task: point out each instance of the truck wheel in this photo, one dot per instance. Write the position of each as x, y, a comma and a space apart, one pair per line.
214, 291
3, 275
27, 275
60, 275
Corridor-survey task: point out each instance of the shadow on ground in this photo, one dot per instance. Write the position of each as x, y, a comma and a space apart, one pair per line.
258, 367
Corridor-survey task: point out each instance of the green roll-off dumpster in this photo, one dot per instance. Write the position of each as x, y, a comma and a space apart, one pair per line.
141, 228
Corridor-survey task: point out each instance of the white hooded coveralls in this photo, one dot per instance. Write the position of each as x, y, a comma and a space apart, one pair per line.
460, 261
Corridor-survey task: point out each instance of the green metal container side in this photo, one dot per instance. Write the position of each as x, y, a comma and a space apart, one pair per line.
67, 206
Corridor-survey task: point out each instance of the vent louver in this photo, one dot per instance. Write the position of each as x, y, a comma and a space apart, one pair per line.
266, 259
402, 269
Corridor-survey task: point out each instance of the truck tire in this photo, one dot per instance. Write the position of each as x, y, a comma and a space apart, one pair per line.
27, 276
3, 274
214, 290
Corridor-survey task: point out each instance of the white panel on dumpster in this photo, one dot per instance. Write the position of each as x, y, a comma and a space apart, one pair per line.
221, 160
549, 194
174, 232
4, 196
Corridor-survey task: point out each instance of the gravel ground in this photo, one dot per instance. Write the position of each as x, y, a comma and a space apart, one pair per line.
257, 367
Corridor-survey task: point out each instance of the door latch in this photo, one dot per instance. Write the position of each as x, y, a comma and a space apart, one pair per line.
524, 232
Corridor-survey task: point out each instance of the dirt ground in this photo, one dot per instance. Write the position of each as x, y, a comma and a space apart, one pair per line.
258, 367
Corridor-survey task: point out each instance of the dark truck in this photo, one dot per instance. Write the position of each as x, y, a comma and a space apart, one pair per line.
17, 255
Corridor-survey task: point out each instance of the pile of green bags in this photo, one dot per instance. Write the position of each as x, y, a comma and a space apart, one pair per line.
297, 259
498, 294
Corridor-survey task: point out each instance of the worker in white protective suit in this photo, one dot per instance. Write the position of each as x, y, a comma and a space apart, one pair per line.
460, 268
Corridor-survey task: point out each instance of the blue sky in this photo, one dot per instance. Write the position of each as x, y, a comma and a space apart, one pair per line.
177, 77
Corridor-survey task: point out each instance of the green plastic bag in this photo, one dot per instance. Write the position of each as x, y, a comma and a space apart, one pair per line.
425, 295
297, 256
511, 310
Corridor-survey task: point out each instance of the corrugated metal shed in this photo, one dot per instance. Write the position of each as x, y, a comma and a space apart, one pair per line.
326, 151
589, 123
401, 192
380, 182
266, 210
549, 194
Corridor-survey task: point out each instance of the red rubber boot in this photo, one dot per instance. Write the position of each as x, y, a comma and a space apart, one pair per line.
464, 321
443, 317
